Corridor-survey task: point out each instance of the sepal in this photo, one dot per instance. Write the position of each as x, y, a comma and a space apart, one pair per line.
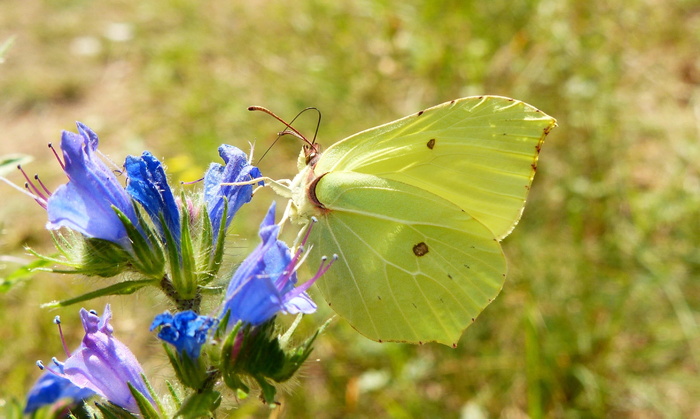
200, 405
191, 372
112, 411
145, 407
86, 256
148, 257
258, 353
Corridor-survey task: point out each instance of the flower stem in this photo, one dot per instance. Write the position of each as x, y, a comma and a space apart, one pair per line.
182, 304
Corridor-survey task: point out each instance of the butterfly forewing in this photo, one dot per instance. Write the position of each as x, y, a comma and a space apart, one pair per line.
479, 153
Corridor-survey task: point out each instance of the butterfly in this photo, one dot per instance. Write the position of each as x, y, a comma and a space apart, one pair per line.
415, 210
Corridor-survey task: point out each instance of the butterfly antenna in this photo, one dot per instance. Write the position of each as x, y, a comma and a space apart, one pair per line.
268, 149
291, 129
318, 123
310, 147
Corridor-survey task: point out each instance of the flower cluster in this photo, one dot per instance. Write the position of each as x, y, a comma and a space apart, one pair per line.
107, 221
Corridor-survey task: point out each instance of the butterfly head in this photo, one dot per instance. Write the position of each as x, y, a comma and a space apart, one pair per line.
311, 153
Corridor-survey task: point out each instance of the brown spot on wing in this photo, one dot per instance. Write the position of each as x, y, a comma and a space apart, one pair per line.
420, 249
431, 143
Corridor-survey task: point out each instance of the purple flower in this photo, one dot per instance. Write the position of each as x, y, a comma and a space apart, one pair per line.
149, 186
264, 283
85, 203
103, 364
51, 388
185, 330
236, 169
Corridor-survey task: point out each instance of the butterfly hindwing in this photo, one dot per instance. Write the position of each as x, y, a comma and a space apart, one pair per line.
412, 267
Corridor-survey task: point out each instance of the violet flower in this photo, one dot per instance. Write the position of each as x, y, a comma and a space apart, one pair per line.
103, 364
236, 169
85, 203
264, 283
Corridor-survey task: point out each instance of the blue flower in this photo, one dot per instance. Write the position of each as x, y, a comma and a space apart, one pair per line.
236, 169
186, 331
264, 283
149, 186
85, 203
51, 388
103, 364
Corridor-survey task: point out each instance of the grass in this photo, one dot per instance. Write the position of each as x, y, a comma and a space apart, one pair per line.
599, 315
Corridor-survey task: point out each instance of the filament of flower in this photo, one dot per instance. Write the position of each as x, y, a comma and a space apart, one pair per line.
55, 153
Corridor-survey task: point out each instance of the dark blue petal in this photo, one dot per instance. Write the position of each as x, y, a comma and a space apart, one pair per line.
149, 186
236, 169
186, 331
51, 388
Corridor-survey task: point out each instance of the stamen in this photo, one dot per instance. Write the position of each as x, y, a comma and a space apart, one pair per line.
30, 185
48, 192
41, 201
191, 182
55, 153
57, 320
26, 192
306, 285
40, 365
314, 220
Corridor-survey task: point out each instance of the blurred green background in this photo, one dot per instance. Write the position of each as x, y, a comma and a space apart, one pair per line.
599, 314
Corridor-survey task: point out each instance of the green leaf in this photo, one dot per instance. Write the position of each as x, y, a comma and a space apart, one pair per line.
121, 288
9, 162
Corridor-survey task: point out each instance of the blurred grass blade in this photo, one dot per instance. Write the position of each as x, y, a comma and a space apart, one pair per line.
9, 162
22, 273
6, 47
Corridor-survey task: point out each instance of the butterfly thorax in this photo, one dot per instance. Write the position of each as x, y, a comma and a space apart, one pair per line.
304, 202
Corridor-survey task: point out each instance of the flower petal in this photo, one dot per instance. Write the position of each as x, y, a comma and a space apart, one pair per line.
85, 203
236, 169
149, 186
104, 364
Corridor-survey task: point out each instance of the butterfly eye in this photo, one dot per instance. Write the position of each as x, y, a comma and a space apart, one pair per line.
312, 154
